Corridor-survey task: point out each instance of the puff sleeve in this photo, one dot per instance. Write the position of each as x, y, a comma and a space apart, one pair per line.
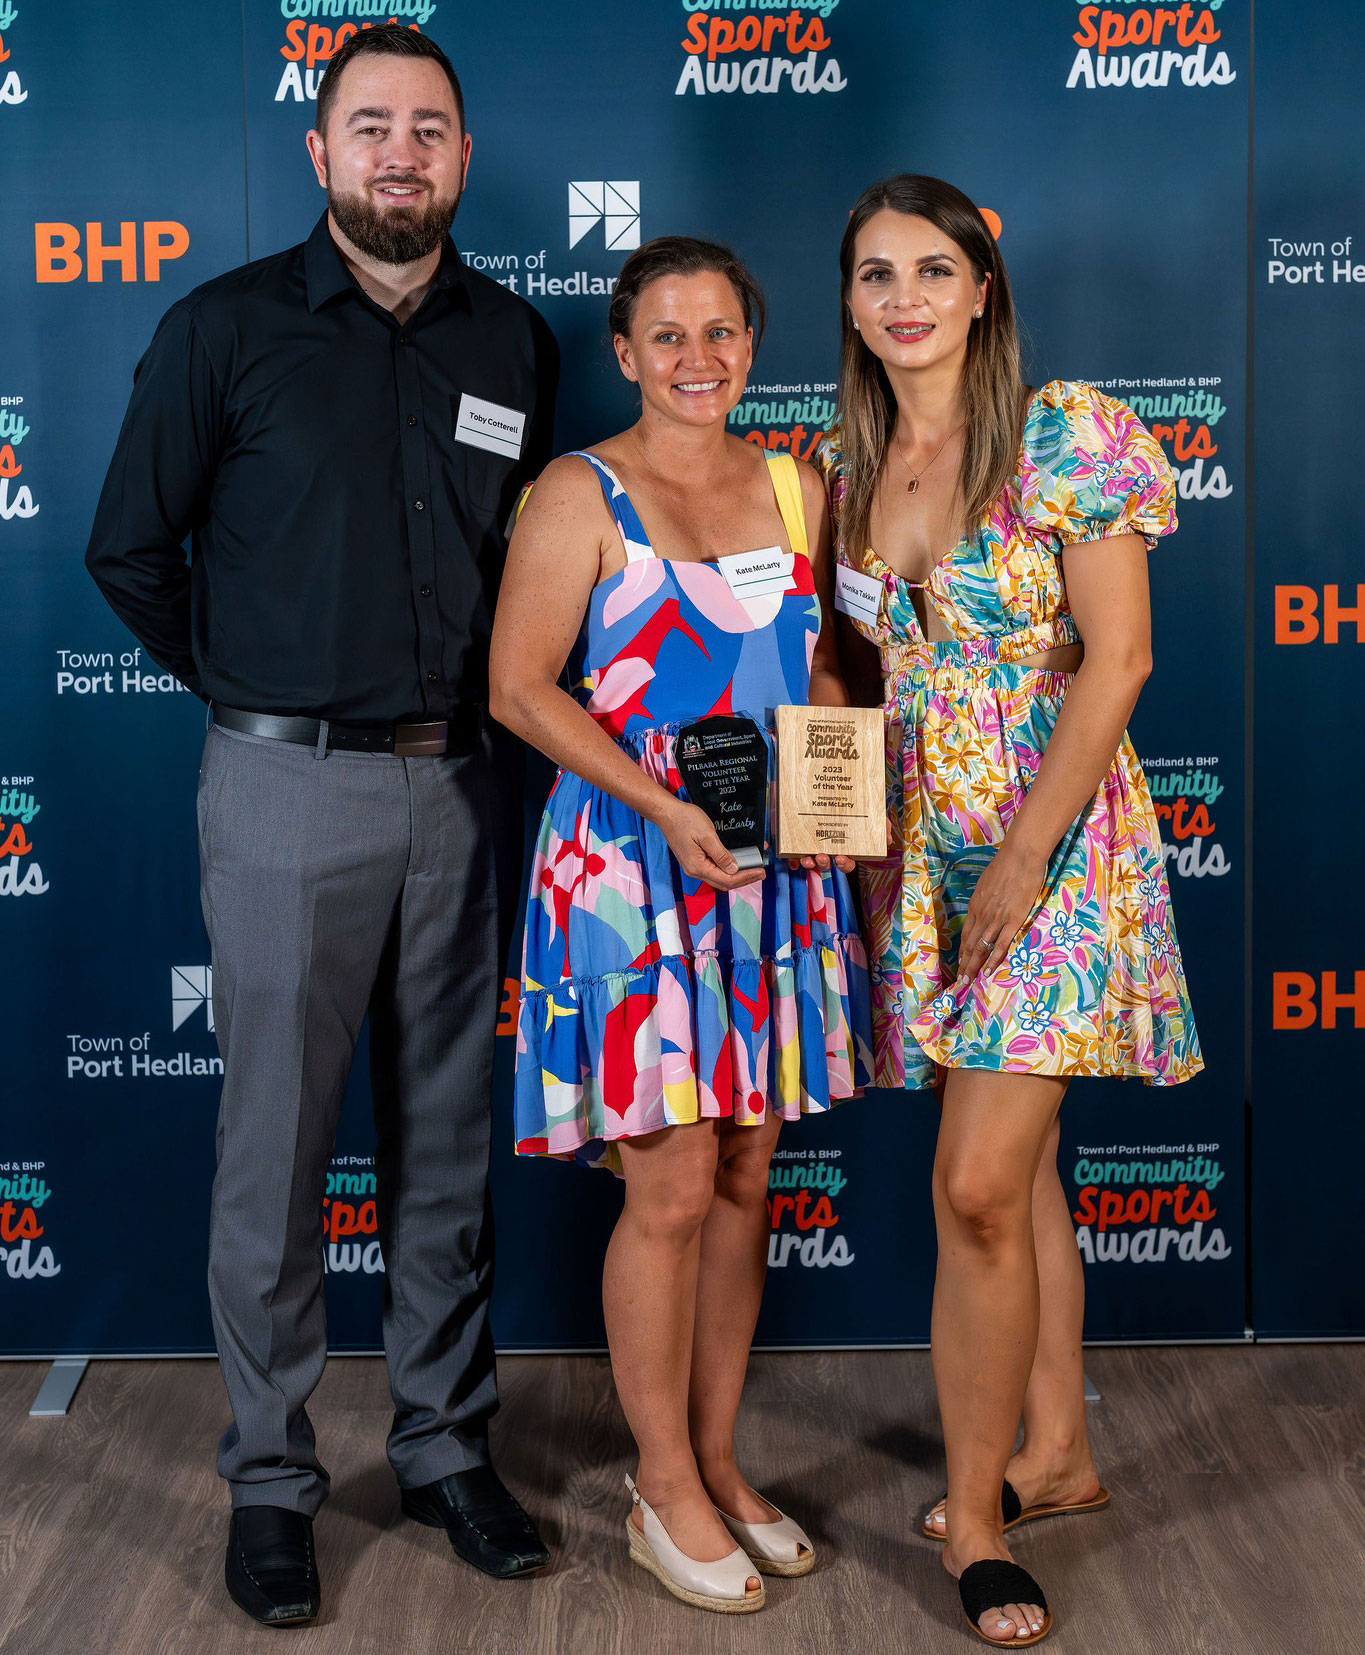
828, 460
1091, 469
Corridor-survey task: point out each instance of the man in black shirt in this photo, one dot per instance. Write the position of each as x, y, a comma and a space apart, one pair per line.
342, 430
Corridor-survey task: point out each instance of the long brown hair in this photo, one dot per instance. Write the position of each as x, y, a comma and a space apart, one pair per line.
992, 385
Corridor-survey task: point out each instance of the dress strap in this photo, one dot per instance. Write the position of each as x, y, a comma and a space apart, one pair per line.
786, 481
633, 535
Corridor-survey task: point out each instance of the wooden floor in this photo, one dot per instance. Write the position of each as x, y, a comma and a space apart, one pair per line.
1239, 1506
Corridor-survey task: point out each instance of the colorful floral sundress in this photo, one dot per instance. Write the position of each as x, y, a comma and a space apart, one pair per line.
649, 999
1093, 984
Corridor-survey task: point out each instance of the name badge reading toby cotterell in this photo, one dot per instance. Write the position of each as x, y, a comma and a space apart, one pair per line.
489, 425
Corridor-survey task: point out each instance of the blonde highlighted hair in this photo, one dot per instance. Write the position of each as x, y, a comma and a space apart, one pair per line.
993, 391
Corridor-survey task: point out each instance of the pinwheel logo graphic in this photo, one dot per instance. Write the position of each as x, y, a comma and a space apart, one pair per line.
191, 987
614, 203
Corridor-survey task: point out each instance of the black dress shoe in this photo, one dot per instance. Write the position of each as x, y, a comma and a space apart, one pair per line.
270, 1570
486, 1525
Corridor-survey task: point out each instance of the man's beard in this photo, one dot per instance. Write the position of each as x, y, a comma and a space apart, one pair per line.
396, 234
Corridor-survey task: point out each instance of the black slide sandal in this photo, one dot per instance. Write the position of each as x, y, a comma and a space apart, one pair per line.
991, 1584
1016, 1514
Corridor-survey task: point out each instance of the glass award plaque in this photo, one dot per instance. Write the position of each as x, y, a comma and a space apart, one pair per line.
723, 762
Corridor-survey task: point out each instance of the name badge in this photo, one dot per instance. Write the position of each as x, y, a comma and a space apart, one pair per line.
857, 594
758, 574
489, 425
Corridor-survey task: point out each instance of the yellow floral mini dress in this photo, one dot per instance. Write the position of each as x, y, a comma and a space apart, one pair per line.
1093, 984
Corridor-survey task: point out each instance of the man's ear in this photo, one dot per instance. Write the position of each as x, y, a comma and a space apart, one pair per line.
317, 154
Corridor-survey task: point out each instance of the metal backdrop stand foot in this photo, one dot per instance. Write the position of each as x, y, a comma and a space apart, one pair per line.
1091, 1393
60, 1383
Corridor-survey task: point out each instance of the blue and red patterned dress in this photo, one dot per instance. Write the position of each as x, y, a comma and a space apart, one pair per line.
650, 999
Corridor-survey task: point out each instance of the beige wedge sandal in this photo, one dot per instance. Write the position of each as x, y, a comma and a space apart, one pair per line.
780, 1548
720, 1586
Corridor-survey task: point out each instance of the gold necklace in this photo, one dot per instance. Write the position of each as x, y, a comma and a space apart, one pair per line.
913, 485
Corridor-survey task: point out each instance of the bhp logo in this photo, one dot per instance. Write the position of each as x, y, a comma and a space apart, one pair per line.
1301, 1002
61, 253
1300, 620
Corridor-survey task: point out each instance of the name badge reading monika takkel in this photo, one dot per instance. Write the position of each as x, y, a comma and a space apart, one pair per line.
724, 766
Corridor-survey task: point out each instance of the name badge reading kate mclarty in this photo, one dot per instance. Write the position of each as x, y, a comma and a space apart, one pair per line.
857, 594
758, 574
724, 766
489, 425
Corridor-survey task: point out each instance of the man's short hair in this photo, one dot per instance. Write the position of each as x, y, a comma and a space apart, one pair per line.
391, 40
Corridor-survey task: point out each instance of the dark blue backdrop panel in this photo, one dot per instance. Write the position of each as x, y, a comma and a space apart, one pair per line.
1308, 268
589, 135
104, 748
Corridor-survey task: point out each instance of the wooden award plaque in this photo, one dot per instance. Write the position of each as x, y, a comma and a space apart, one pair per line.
831, 781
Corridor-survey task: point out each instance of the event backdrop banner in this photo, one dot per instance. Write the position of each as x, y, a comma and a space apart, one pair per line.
1108, 144
1308, 993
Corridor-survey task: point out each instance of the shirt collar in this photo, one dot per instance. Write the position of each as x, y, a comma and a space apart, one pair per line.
326, 274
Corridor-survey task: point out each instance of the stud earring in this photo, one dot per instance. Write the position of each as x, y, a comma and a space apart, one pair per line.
857, 328
977, 314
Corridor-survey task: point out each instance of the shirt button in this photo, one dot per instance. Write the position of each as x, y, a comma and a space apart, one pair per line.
426, 591
412, 419
419, 505
402, 339
432, 676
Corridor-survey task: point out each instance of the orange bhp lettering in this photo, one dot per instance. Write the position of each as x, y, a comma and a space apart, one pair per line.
162, 239
1293, 1004
1335, 1000
1334, 612
122, 253
55, 252
1296, 609
9, 466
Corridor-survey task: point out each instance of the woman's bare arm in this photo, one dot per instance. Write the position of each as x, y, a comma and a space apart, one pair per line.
1106, 584
553, 562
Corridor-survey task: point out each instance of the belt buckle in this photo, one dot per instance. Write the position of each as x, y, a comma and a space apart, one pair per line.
419, 740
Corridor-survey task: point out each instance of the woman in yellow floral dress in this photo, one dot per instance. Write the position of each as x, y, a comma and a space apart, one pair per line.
992, 546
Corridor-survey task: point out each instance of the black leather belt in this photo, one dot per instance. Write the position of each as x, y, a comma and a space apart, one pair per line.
456, 734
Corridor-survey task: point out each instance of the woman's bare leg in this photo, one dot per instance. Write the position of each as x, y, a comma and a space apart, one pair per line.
734, 1261
985, 1323
1053, 1463
649, 1297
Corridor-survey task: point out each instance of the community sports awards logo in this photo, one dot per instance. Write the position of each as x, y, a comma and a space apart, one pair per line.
787, 416
309, 45
758, 46
1122, 44
20, 872
24, 1192
1148, 1204
1185, 793
11, 86
350, 1218
1183, 414
804, 1186
190, 1054
16, 498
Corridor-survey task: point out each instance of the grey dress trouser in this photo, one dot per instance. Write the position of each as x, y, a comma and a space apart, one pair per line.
333, 886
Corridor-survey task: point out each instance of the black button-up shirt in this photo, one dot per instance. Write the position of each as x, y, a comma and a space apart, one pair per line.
346, 542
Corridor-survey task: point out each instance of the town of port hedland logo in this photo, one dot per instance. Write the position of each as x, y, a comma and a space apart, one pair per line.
191, 987
613, 203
